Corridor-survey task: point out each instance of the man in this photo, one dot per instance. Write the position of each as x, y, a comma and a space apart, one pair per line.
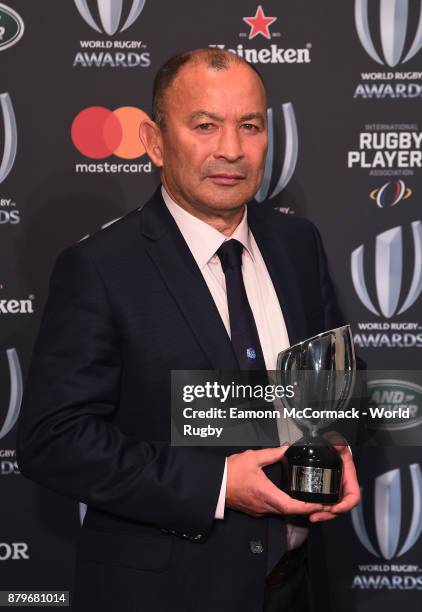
178, 528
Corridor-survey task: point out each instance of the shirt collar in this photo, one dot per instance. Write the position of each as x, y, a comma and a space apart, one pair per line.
202, 239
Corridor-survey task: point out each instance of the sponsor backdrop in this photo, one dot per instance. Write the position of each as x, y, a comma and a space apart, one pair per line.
344, 86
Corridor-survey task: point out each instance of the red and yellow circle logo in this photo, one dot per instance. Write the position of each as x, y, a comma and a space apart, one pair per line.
98, 132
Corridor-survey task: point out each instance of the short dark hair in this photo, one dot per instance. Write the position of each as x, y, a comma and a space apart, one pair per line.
217, 59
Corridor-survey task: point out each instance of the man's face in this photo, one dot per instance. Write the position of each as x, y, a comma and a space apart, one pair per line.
215, 139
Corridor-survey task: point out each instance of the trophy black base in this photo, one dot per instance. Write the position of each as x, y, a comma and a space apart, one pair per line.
314, 471
315, 498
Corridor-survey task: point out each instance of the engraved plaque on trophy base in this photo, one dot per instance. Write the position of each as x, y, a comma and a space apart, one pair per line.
314, 471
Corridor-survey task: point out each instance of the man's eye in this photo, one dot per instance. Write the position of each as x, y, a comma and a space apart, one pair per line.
204, 126
250, 127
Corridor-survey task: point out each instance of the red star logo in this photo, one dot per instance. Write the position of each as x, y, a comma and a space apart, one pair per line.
259, 24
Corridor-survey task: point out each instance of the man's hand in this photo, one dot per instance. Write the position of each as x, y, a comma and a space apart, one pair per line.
250, 491
350, 489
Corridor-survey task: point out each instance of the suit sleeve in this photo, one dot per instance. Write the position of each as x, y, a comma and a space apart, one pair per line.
66, 439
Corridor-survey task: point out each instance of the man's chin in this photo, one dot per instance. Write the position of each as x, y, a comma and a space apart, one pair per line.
227, 196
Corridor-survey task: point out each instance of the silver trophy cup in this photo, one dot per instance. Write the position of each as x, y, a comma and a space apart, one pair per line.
322, 370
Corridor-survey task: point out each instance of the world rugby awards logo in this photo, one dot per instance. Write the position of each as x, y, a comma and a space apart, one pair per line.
109, 19
10, 138
387, 514
15, 392
110, 13
393, 21
396, 47
388, 272
290, 153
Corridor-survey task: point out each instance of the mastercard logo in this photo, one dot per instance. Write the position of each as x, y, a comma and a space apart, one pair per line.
98, 132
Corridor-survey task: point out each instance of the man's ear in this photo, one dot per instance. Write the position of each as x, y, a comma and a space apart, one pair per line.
151, 137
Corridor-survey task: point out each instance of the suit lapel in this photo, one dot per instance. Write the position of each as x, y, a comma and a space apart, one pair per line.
174, 261
275, 242
177, 266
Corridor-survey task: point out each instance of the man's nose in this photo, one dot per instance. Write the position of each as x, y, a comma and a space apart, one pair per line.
229, 144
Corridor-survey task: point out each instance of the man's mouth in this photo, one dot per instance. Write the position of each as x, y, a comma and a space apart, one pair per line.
227, 178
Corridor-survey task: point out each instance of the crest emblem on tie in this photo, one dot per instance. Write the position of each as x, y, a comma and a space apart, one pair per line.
251, 353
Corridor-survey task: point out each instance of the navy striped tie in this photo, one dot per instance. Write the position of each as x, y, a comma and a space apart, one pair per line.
243, 331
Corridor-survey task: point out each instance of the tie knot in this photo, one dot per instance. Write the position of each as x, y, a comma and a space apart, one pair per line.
230, 254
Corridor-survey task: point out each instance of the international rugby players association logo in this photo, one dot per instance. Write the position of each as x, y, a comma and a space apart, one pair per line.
390, 194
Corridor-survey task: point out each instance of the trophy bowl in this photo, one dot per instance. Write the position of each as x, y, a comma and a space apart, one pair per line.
322, 370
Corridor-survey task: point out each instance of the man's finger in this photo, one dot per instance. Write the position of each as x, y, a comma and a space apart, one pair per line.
266, 456
351, 489
278, 501
349, 501
322, 516
344, 452
294, 506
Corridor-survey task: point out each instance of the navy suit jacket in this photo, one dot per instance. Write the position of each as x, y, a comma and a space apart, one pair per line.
125, 307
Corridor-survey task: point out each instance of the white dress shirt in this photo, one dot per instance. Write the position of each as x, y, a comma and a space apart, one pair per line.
203, 241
